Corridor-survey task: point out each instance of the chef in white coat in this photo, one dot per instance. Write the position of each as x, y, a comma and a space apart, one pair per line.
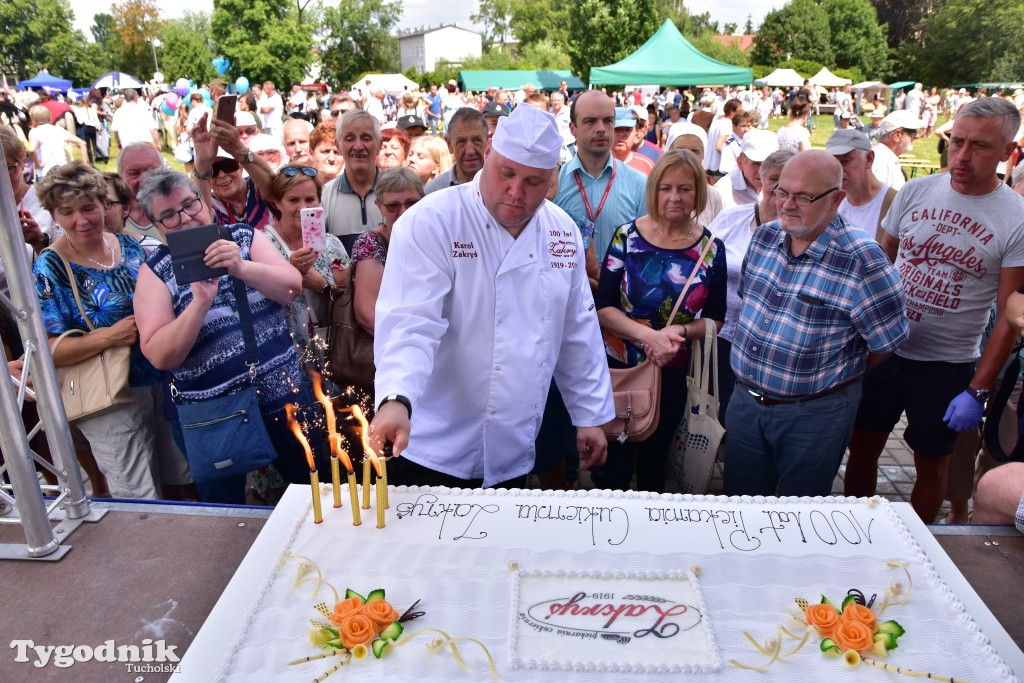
484, 298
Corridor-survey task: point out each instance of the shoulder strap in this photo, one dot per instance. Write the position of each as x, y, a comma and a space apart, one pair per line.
74, 286
689, 280
890, 194
252, 355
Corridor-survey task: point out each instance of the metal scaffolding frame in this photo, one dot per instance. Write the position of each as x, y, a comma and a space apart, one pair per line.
21, 493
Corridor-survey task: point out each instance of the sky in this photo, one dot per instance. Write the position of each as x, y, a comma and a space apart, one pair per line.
431, 12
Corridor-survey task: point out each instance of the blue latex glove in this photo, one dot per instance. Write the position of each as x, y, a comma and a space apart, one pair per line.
964, 412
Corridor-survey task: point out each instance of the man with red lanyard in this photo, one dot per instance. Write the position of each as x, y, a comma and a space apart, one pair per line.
593, 184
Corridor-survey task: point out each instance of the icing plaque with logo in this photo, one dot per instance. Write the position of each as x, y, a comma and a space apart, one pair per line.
629, 622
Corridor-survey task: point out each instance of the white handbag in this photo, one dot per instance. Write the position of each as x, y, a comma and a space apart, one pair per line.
695, 444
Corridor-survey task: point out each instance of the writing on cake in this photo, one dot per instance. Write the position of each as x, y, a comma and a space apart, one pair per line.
590, 615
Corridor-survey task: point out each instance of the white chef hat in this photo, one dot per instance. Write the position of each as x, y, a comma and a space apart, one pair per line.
686, 128
528, 136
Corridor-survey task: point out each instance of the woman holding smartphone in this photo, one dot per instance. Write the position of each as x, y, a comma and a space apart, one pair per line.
295, 192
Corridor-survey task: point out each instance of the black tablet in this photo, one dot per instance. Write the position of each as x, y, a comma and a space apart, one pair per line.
188, 249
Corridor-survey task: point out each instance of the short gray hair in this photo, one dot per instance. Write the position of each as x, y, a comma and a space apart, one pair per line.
354, 116
988, 107
775, 161
136, 147
162, 182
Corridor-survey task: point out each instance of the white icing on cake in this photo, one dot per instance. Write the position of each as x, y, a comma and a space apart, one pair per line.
476, 559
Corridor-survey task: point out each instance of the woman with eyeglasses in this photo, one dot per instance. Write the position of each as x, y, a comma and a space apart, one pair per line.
323, 149
105, 268
397, 190
297, 187
220, 156
193, 330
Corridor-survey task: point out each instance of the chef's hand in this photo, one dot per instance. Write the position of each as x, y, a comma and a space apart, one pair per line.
390, 425
592, 446
964, 412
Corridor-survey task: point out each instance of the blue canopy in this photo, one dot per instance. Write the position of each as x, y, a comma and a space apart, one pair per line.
45, 80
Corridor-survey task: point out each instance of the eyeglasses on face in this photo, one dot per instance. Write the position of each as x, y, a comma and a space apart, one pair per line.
172, 219
800, 199
111, 203
292, 171
225, 166
248, 132
395, 207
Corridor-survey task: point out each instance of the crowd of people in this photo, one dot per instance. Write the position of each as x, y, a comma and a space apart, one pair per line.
505, 249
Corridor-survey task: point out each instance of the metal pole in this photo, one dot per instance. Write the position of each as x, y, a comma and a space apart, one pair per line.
33, 335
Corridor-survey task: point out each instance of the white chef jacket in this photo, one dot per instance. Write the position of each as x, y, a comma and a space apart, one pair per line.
471, 325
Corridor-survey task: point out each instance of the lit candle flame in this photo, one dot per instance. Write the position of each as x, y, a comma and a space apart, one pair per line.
293, 424
334, 438
364, 436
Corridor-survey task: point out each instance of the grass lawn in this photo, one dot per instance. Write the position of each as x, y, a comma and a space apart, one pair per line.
925, 149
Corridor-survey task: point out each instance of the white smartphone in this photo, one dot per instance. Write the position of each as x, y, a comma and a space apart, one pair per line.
314, 235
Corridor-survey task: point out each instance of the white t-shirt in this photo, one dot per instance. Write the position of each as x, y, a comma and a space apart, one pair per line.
952, 248
733, 227
865, 217
886, 167
132, 123
274, 118
712, 157
730, 152
50, 151
790, 137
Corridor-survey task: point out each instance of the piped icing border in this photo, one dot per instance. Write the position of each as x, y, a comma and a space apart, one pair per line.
517, 662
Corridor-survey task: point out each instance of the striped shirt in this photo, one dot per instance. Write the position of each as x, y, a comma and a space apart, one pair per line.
257, 211
808, 321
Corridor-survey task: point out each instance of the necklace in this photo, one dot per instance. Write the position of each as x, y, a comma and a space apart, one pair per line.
109, 251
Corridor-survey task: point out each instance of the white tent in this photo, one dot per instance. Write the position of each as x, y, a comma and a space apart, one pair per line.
827, 79
781, 78
395, 84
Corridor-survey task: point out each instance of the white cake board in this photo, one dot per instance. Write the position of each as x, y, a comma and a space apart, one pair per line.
208, 650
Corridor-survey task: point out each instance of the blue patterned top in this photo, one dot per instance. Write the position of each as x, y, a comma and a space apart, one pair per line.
215, 366
106, 296
809, 321
257, 211
644, 280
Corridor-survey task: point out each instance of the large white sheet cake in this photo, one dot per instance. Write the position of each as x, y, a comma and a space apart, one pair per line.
590, 586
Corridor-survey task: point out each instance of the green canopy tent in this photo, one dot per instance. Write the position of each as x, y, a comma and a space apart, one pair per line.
667, 58
517, 78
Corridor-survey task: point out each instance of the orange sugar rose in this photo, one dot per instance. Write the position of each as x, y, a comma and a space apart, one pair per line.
346, 608
852, 635
380, 612
357, 629
822, 616
855, 612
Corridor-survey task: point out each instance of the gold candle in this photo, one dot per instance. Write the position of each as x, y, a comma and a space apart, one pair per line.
314, 487
380, 503
366, 483
384, 476
353, 495
336, 481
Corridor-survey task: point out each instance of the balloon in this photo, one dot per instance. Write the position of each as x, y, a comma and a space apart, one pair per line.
171, 99
167, 109
181, 86
221, 65
242, 84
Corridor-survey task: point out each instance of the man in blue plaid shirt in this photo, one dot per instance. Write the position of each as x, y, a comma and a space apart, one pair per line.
821, 304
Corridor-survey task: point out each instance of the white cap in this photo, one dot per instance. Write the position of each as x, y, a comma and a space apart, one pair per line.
685, 128
264, 142
244, 118
528, 136
899, 119
758, 144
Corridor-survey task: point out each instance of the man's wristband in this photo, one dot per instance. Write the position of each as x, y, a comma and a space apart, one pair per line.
401, 399
202, 176
980, 395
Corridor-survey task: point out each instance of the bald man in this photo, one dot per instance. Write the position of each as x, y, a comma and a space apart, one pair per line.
821, 304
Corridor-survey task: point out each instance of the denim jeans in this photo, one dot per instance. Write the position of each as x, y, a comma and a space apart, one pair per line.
787, 450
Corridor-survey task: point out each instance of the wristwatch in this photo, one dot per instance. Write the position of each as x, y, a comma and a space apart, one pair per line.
202, 176
248, 158
401, 399
980, 395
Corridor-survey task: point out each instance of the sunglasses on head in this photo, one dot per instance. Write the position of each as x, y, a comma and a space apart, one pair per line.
225, 166
292, 171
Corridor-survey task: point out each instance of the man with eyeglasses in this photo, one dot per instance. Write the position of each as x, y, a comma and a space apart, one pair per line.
341, 105
896, 135
821, 304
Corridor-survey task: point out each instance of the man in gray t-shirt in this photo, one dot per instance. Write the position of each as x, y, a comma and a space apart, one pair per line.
957, 240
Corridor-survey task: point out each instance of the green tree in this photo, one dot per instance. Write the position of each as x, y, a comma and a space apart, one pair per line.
993, 29
545, 55
748, 27
38, 34
613, 30
357, 39
730, 28
730, 54
858, 39
496, 18
799, 30
186, 51
537, 21
136, 23
904, 19
262, 39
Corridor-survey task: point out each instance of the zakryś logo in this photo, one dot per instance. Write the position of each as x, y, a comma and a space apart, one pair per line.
63, 656
631, 615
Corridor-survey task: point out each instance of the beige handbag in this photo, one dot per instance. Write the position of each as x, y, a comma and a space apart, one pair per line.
636, 391
97, 384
